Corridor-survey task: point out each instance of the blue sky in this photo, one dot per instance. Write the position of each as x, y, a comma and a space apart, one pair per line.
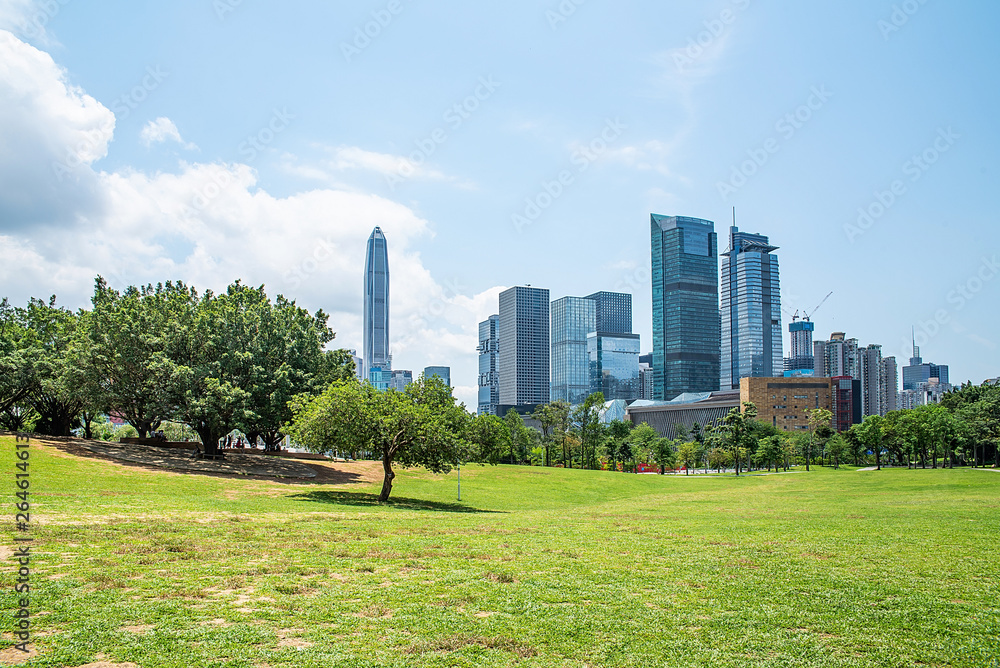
213, 140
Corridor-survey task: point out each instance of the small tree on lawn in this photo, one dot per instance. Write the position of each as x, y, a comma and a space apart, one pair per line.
419, 427
819, 419
837, 448
687, 454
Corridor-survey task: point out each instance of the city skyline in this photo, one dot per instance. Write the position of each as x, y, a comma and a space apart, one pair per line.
153, 143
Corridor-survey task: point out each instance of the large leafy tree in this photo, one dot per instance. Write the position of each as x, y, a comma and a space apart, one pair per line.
284, 344
48, 334
17, 373
131, 336
422, 426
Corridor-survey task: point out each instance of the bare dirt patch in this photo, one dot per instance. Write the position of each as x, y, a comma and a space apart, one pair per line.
12, 656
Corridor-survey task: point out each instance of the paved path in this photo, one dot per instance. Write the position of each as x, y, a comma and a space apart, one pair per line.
870, 468
237, 464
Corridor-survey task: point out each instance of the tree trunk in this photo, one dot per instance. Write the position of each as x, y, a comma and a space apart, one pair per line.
387, 480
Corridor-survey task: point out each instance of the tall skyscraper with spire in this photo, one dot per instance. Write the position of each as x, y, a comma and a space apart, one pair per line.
376, 315
751, 309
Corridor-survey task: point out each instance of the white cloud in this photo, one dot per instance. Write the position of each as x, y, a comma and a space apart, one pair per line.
52, 131
207, 224
394, 169
162, 130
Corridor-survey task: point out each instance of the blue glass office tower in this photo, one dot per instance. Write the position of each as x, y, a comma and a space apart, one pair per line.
489, 366
919, 372
750, 309
686, 336
524, 346
614, 365
612, 348
442, 372
573, 318
376, 314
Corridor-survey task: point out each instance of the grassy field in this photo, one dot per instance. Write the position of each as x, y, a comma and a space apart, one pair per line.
535, 567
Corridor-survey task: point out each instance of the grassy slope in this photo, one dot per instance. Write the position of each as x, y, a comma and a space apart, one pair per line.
554, 568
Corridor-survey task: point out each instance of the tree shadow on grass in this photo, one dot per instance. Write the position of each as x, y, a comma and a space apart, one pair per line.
363, 499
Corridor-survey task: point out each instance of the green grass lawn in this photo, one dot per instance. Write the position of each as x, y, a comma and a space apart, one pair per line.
535, 567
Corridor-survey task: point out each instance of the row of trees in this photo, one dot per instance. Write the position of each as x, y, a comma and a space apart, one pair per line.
214, 362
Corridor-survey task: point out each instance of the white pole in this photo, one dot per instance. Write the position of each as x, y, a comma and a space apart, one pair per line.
459, 482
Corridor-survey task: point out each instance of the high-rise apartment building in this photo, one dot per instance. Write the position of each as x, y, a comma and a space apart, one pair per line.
489, 366
524, 346
686, 337
573, 318
376, 306
750, 309
889, 385
837, 357
872, 391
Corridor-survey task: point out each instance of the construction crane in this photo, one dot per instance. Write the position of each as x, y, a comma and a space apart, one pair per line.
808, 315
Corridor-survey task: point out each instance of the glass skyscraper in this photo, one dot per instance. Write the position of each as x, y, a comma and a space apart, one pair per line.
686, 336
573, 318
489, 366
376, 314
751, 310
614, 365
613, 312
442, 372
524, 346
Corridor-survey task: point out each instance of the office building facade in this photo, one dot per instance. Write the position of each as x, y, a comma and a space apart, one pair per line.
572, 320
686, 336
376, 305
750, 310
783, 402
524, 346
489, 366
614, 365
442, 372
399, 379
918, 373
